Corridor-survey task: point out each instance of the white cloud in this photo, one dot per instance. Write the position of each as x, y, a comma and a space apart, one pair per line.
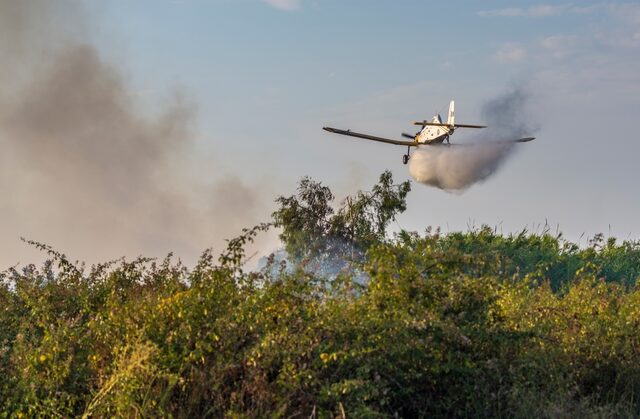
539, 10
601, 60
627, 13
284, 4
625, 33
510, 53
560, 45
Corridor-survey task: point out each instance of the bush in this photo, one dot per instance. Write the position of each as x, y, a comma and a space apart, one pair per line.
465, 324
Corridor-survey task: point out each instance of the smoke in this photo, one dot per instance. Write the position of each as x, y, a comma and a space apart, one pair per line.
456, 168
86, 169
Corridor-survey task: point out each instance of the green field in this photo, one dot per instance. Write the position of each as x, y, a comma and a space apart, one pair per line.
349, 322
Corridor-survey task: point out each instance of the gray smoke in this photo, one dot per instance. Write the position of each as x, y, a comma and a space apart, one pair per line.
82, 166
457, 168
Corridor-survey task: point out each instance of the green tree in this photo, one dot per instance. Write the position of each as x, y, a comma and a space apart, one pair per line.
313, 229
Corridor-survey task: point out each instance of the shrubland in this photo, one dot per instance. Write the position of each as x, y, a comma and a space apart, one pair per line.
351, 322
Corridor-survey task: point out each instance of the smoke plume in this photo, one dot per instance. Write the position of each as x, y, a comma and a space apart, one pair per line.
457, 168
82, 166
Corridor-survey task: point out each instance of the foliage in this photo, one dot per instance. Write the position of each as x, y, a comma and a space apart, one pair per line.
464, 324
312, 231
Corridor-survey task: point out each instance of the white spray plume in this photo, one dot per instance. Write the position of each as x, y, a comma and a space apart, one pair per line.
458, 167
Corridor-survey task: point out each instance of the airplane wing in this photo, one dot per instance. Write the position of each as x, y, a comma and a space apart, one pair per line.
371, 137
468, 126
517, 140
436, 124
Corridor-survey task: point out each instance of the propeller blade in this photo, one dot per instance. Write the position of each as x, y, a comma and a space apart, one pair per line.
405, 135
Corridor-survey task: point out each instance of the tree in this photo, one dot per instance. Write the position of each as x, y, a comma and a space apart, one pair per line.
313, 230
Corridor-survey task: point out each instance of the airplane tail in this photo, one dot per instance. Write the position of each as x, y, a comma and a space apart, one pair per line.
451, 119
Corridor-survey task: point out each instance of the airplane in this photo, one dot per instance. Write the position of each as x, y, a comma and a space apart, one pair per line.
433, 133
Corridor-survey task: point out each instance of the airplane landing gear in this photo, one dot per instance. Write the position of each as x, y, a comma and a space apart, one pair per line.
405, 158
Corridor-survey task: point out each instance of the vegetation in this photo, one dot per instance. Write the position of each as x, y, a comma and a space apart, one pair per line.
472, 324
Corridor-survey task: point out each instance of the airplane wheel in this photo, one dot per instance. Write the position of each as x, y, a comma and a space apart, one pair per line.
405, 159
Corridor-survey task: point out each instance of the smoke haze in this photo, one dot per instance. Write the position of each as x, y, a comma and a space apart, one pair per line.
83, 168
457, 168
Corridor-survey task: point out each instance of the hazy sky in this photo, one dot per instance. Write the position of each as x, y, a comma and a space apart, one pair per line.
261, 78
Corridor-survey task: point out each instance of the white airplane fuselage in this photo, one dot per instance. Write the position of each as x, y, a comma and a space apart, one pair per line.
434, 134
430, 134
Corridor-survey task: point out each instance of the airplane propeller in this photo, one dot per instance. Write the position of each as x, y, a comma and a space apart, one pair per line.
405, 135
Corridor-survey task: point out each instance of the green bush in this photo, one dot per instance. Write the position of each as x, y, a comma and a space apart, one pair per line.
473, 324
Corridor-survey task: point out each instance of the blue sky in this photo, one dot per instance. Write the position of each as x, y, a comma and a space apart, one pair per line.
265, 76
